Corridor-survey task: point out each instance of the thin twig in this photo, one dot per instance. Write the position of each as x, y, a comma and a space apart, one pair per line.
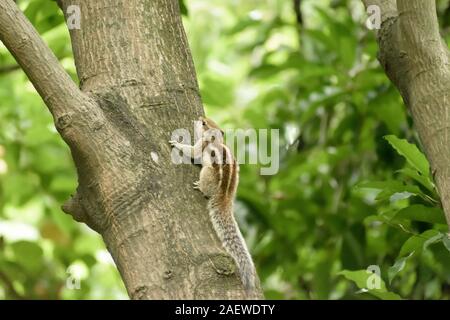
298, 12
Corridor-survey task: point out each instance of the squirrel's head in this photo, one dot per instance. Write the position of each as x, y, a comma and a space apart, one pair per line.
210, 130
208, 124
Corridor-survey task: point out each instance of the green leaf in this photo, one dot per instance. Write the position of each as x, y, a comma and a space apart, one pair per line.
415, 244
398, 266
362, 281
423, 180
391, 187
422, 213
183, 8
411, 153
446, 242
419, 242
44, 15
29, 255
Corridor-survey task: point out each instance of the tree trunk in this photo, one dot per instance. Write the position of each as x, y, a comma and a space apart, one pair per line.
138, 84
416, 60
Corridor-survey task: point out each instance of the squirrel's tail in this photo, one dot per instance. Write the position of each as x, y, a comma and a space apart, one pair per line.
233, 242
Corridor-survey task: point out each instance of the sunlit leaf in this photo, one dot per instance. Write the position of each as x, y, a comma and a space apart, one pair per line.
398, 266
419, 212
411, 153
362, 279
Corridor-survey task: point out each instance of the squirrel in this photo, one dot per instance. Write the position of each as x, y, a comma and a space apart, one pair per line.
219, 178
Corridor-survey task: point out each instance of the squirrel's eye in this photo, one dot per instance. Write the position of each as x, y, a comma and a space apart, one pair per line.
204, 123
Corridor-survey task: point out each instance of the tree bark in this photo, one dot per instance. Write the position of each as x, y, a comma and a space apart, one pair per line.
138, 84
416, 59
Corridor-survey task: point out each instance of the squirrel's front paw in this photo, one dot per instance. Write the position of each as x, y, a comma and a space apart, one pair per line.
174, 143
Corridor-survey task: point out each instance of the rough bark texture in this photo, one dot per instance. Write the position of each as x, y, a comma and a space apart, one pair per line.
138, 84
416, 60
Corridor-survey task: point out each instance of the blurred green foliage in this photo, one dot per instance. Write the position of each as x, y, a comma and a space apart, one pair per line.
353, 190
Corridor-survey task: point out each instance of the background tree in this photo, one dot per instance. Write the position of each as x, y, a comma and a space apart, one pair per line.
416, 60
348, 194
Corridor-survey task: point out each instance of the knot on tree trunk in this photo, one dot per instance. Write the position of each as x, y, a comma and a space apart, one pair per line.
74, 206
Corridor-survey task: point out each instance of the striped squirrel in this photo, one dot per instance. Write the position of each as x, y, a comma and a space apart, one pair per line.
219, 178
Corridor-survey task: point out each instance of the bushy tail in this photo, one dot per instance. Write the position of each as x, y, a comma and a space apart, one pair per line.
233, 242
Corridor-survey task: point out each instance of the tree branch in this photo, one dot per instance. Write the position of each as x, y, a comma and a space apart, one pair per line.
388, 10
388, 7
51, 81
13, 67
421, 16
385, 5
75, 113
